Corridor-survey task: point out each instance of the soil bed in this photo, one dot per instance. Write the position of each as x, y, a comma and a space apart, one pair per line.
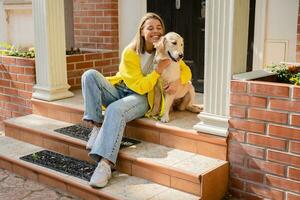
82, 133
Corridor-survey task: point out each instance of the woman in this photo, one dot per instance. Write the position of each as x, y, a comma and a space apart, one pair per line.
123, 95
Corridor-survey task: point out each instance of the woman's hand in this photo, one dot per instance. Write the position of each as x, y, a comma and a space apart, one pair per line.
171, 88
163, 64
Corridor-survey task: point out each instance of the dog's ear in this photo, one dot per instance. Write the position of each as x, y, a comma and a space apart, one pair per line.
160, 44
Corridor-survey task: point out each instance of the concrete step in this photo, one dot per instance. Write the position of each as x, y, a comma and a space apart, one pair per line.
121, 186
178, 133
183, 170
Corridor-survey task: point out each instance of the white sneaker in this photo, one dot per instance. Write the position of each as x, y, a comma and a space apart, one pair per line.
93, 135
101, 175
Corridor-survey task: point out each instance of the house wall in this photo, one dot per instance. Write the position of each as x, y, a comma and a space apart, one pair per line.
281, 31
275, 32
12, 31
16, 17
130, 13
20, 34
264, 140
105, 62
69, 24
96, 24
3, 33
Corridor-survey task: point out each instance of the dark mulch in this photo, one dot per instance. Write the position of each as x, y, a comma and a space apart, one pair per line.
82, 133
62, 163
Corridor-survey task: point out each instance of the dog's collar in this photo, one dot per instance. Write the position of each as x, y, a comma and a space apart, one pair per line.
172, 57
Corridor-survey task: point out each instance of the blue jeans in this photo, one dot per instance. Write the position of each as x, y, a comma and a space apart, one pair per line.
122, 105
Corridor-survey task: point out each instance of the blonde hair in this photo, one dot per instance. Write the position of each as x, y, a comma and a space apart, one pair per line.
138, 42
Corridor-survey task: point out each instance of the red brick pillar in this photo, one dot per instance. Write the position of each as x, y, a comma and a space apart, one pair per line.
96, 24
298, 37
264, 140
17, 77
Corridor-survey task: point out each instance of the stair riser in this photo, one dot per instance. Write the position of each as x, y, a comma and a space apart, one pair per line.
215, 189
57, 112
163, 176
171, 139
41, 140
160, 175
43, 176
138, 131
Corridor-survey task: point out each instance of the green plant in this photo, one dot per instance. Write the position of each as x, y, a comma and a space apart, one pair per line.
73, 51
283, 75
286, 73
10, 50
4, 48
35, 156
295, 79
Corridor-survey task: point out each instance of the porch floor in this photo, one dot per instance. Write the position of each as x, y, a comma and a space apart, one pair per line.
185, 120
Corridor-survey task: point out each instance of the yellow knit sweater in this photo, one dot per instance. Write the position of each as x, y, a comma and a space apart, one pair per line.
130, 71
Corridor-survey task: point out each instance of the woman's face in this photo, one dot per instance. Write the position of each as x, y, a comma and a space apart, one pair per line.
152, 31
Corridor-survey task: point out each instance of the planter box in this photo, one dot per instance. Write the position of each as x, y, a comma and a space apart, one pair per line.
264, 139
17, 78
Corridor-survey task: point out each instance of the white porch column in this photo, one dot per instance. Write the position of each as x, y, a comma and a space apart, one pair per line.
3, 29
226, 36
50, 46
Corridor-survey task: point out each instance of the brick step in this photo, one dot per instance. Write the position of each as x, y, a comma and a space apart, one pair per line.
167, 166
121, 186
178, 133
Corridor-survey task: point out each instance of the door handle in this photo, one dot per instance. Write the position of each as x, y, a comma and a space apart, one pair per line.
177, 4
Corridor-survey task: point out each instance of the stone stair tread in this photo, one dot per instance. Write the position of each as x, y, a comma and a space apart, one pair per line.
121, 186
75, 101
167, 157
16, 148
38, 122
182, 120
175, 158
44, 124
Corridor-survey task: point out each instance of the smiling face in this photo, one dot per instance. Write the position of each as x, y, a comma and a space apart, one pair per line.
151, 31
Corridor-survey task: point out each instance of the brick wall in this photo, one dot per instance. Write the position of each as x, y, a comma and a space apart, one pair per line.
264, 140
298, 37
17, 77
105, 62
96, 24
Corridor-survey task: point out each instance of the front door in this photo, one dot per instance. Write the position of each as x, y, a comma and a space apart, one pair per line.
186, 17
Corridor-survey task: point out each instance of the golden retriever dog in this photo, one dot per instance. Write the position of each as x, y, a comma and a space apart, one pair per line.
171, 46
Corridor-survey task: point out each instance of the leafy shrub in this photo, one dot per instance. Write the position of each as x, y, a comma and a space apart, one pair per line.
286, 73
295, 79
73, 51
10, 50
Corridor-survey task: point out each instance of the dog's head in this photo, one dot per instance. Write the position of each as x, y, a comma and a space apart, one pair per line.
170, 45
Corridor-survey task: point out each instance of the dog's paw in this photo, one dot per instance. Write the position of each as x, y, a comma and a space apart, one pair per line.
165, 119
194, 109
